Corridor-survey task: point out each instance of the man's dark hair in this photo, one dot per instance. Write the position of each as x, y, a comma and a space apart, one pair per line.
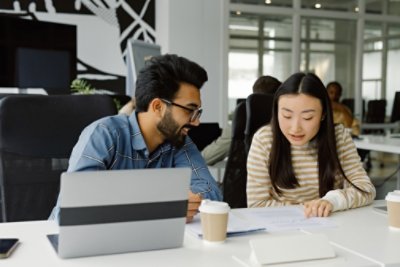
338, 86
162, 76
266, 85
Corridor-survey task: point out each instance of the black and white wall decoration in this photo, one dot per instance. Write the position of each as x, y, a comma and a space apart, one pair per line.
103, 28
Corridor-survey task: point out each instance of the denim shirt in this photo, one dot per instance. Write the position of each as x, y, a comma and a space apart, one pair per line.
116, 142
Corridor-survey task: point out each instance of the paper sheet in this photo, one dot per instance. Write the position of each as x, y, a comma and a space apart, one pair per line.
272, 219
284, 218
237, 225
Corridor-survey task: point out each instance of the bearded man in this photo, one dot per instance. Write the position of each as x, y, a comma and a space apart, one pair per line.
168, 104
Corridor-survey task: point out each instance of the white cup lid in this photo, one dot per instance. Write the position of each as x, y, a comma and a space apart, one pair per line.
393, 196
214, 207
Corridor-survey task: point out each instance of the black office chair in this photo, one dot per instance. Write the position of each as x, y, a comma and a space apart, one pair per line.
395, 116
349, 102
204, 134
235, 176
376, 111
120, 100
258, 113
37, 134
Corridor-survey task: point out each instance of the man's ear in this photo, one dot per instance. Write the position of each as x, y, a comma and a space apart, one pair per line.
156, 106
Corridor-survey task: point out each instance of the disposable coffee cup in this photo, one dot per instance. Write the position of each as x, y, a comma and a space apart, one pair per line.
214, 220
393, 209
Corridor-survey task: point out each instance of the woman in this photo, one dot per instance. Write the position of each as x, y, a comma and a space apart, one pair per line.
303, 158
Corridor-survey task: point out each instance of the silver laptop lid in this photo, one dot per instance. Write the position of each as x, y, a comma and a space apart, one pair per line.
105, 212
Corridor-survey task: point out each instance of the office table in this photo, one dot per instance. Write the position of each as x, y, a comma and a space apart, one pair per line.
363, 231
361, 238
381, 143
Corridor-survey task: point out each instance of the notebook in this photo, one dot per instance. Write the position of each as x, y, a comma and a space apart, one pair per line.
107, 212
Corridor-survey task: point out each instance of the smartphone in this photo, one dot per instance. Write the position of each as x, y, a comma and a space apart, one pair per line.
7, 245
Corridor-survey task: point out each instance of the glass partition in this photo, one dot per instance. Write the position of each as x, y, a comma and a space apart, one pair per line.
322, 38
327, 49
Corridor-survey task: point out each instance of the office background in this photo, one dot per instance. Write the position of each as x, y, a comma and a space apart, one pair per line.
351, 41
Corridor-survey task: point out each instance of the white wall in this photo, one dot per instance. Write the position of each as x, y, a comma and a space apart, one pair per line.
198, 30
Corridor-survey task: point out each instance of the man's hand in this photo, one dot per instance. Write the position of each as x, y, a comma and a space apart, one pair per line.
193, 206
317, 208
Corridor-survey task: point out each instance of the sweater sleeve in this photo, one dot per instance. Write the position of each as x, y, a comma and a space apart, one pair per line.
349, 196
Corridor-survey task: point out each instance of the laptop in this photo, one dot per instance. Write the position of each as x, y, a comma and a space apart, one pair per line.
107, 212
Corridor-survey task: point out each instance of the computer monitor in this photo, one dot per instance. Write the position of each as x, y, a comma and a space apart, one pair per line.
37, 54
396, 108
42, 68
138, 53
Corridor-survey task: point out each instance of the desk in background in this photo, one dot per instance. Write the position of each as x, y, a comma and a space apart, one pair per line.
380, 143
361, 238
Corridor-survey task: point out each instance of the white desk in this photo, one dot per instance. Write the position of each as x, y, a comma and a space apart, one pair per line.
361, 239
381, 143
363, 232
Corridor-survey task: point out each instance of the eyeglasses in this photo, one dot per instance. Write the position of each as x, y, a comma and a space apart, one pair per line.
194, 113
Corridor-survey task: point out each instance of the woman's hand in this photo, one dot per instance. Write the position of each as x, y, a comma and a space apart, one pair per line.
317, 208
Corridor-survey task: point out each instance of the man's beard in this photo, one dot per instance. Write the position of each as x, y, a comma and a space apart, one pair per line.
171, 130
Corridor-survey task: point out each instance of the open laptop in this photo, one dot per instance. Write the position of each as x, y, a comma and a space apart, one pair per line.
106, 212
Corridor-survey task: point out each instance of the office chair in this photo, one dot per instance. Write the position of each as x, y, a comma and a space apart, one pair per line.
376, 111
120, 100
395, 116
37, 134
258, 113
204, 134
374, 122
349, 102
235, 176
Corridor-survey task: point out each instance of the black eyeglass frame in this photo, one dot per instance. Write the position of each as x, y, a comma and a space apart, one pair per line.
194, 113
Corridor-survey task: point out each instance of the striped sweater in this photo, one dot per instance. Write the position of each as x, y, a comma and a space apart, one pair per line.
260, 192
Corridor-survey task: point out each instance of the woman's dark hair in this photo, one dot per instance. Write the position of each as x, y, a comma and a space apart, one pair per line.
280, 167
161, 78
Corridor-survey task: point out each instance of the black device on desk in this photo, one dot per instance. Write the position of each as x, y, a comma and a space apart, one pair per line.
7, 245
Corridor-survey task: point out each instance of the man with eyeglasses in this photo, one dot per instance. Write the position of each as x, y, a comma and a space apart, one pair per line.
168, 105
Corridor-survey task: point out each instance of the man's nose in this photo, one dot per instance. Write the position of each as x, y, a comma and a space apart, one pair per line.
196, 122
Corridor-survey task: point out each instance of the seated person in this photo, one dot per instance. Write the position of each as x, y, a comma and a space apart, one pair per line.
341, 113
219, 149
168, 104
128, 108
301, 157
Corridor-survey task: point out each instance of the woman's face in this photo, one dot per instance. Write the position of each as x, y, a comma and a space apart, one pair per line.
299, 117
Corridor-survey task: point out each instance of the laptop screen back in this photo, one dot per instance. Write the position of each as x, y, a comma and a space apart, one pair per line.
106, 212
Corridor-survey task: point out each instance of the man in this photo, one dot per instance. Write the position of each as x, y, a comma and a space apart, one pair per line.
218, 150
155, 135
